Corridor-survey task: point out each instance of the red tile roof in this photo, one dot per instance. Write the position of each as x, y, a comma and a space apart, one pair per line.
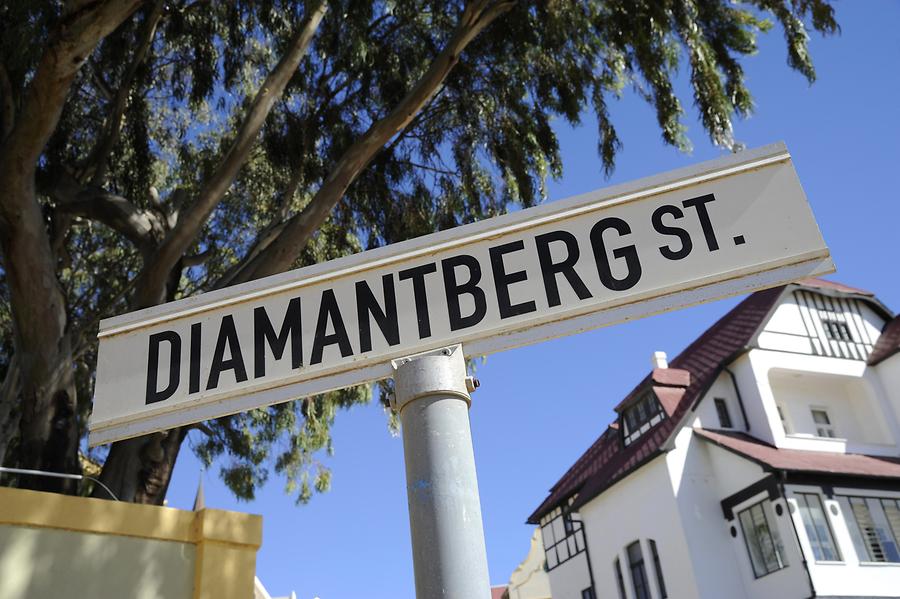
607, 461
795, 460
888, 343
817, 283
498, 592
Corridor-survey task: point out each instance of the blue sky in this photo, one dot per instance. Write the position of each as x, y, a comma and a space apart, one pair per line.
540, 407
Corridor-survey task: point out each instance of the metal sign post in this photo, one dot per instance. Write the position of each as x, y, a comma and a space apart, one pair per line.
432, 398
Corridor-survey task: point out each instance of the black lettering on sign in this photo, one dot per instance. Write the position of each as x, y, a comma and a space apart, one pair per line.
386, 318
566, 267
503, 279
264, 334
329, 311
194, 370
174, 340
228, 338
628, 252
699, 204
454, 290
685, 237
417, 275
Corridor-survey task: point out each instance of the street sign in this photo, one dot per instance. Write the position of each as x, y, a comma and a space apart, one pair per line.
723, 227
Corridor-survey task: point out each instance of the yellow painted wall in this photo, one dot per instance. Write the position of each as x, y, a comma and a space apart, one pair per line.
56, 546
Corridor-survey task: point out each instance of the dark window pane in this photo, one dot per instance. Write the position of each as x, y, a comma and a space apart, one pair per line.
876, 537
638, 571
658, 567
722, 411
763, 545
818, 530
640, 416
620, 581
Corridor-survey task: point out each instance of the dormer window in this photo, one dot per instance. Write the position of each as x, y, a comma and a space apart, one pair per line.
640, 417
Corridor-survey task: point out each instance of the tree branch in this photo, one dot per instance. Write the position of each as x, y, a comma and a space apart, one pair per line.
152, 283
143, 228
98, 160
76, 36
282, 253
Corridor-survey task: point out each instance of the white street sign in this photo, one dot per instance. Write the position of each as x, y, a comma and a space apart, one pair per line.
724, 227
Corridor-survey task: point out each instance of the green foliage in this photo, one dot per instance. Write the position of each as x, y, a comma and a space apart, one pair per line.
485, 143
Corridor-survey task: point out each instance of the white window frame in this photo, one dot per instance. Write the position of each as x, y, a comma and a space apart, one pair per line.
828, 427
774, 531
879, 518
830, 521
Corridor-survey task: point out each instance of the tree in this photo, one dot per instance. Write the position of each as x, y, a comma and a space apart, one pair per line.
153, 149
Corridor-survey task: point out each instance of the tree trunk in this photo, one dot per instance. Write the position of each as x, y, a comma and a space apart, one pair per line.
139, 469
9, 416
48, 427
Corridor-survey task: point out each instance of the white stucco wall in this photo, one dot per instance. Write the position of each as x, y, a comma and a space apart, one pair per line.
848, 386
888, 385
706, 415
763, 420
699, 492
851, 405
730, 474
641, 507
568, 579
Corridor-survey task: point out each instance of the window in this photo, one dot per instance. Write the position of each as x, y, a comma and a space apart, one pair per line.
763, 543
659, 575
818, 530
834, 326
874, 533
824, 428
638, 571
619, 580
722, 411
588, 593
837, 330
639, 417
562, 535
891, 509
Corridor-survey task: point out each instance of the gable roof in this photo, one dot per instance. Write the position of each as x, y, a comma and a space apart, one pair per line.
608, 461
888, 343
796, 460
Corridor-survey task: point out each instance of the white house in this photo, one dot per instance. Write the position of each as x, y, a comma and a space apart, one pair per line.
762, 462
